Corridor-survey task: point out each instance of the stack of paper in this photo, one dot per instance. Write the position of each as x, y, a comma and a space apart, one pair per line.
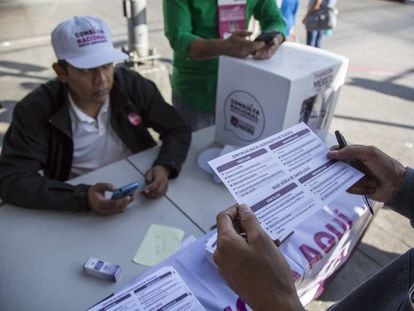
162, 290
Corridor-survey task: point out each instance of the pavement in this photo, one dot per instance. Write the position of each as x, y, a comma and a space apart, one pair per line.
376, 105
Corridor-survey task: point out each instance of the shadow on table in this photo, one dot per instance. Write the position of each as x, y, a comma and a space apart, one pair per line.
364, 262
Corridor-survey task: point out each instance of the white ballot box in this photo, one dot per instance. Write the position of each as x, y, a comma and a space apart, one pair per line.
258, 98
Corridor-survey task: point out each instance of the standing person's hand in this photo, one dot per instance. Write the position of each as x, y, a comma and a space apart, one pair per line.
384, 175
101, 205
270, 48
238, 46
157, 181
253, 267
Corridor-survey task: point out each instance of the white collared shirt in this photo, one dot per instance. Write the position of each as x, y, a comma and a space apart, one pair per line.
95, 142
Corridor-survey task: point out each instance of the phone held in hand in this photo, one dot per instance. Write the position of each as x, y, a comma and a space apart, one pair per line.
125, 191
267, 36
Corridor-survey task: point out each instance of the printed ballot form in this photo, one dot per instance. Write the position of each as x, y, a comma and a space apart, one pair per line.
162, 290
284, 178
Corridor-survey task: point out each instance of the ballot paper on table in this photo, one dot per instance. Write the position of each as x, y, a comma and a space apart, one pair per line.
284, 178
162, 290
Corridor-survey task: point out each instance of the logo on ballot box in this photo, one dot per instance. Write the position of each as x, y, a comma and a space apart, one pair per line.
323, 79
244, 116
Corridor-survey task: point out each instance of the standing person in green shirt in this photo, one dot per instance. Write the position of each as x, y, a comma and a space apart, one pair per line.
192, 27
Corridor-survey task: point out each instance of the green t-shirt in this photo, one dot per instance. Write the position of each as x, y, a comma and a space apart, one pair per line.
194, 81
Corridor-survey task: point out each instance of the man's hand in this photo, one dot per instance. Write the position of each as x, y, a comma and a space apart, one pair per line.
238, 46
157, 181
253, 267
103, 206
269, 49
384, 175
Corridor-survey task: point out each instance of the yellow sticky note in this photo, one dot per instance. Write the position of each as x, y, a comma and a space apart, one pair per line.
159, 243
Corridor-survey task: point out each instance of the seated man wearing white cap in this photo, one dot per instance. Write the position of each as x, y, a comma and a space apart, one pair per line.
93, 114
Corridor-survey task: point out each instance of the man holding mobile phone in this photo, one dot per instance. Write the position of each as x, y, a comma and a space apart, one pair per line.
90, 116
193, 30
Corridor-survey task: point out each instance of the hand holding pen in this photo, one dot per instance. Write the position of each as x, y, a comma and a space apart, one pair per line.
342, 144
238, 227
383, 174
253, 266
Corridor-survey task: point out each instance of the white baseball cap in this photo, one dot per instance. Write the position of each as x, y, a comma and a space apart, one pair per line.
85, 42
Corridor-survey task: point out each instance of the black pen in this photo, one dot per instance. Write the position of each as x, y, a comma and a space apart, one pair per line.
342, 144
279, 242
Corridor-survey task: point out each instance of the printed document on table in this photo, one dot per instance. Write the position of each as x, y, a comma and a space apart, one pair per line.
162, 290
284, 178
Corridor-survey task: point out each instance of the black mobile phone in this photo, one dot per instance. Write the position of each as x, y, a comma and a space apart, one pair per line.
267, 36
125, 191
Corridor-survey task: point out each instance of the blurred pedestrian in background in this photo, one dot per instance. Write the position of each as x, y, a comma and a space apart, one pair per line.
289, 9
314, 37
